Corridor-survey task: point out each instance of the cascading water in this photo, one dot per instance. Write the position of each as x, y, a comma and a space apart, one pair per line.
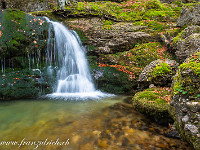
66, 51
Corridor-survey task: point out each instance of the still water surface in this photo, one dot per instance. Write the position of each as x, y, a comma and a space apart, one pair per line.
74, 125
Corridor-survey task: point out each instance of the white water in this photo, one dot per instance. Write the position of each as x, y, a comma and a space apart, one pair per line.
73, 76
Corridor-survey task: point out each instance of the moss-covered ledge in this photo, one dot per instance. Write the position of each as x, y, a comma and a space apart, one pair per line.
154, 102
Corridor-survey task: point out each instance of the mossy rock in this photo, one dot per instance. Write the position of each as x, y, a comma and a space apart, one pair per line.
137, 58
186, 42
153, 102
158, 72
186, 100
187, 78
113, 80
22, 36
23, 84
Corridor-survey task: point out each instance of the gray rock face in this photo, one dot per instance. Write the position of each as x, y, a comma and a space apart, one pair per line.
190, 15
187, 42
30, 5
62, 3
120, 37
186, 100
161, 77
115, 41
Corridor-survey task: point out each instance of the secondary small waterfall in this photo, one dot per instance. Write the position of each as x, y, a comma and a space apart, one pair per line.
65, 50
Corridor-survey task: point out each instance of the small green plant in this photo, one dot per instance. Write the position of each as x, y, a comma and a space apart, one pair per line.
161, 69
197, 96
108, 22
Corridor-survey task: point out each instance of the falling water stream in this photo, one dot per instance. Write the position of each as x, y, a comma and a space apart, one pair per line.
66, 51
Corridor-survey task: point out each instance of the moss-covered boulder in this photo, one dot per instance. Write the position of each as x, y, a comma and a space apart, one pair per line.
114, 79
158, 72
23, 44
154, 103
186, 42
24, 84
186, 100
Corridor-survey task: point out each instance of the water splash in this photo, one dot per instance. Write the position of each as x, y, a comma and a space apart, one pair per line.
65, 50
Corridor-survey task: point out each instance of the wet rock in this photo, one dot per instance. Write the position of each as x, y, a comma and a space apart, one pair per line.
192, 128
125, 141
152, 86
185, 118
159, 72
97, 133
172, 134
143, 127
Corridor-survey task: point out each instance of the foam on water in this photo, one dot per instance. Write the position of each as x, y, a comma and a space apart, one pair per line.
96, 95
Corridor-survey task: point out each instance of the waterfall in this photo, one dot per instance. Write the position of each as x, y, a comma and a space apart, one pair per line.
65, 50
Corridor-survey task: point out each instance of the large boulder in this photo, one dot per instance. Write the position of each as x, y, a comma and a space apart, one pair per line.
186, 100
190, 15
154, 102
158, 72
110, 78
186, 43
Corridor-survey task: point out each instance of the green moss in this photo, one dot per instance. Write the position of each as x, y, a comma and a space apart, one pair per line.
22, 84
110, 79
177, 38
192, 3
152, 103
124, 11
137, 58
42, 13
185, 84
22, 35
161, 69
